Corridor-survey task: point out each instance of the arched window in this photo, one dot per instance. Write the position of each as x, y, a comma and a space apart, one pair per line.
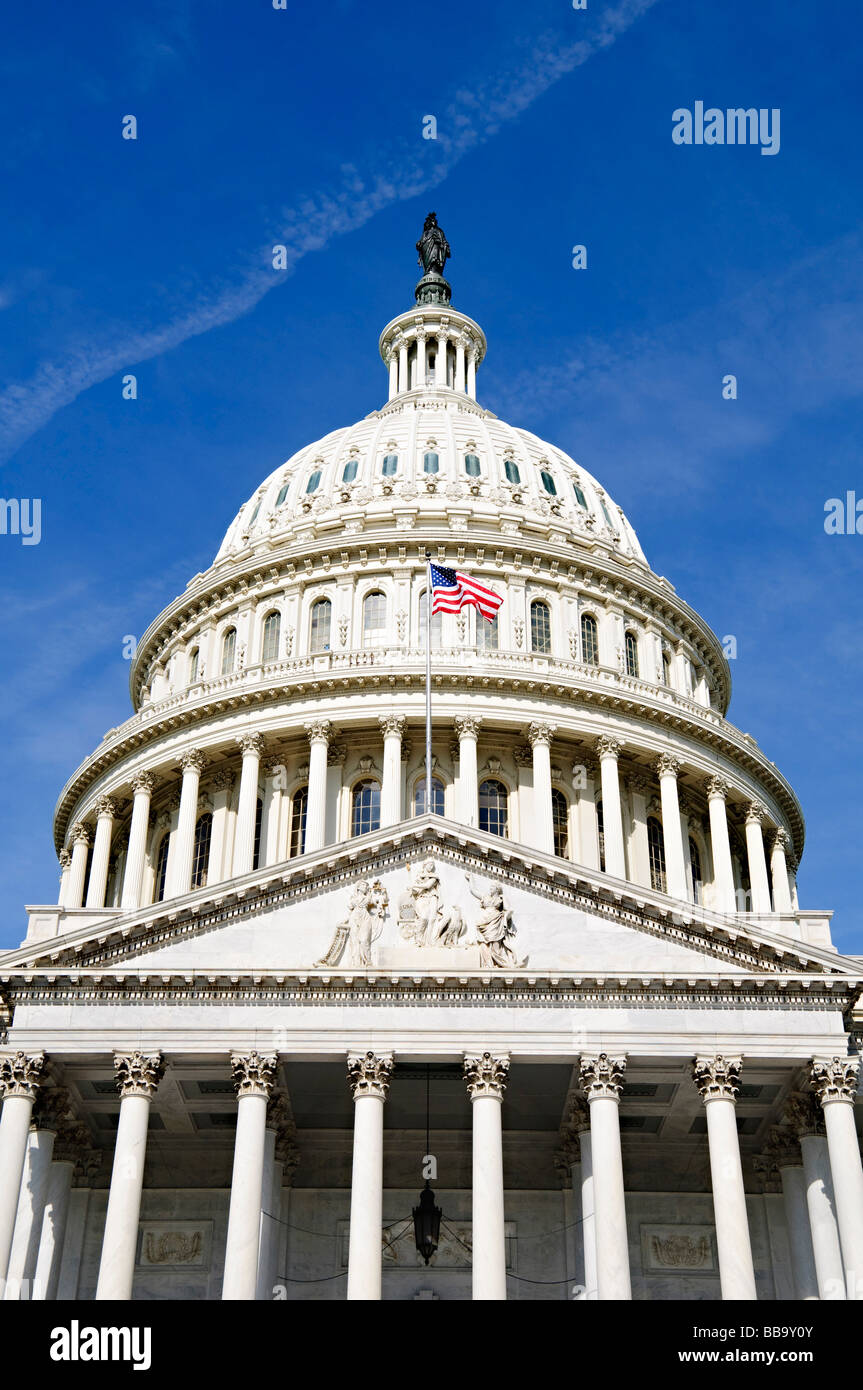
436, 623
375, 620
471, 465
194, 663
229, 650
540, 627
299, 807
560, 823
436, 797
487, 633
272, 629
259, 824
314, 482
656, 852
511, 469
162, 867
366, 807
431, 463
493, 807
349, 472
600, 830
631, 644
201, 853
283, 492
548, 482
697, 877
579, 496
390, 465
589, 640
320, 622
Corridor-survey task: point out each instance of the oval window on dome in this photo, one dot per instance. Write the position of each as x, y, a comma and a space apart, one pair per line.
283, 492
510, 467
548, 482
314, 482
579, 496
471, 465
349, 472
255, 512
431, 463
390, 465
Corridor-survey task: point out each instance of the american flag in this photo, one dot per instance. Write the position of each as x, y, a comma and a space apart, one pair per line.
452, 590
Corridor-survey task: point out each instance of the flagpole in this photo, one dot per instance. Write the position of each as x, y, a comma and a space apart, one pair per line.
428, 682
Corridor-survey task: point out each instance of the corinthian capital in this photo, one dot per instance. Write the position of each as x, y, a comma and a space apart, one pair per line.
20, 1073
319, 731
369, 1074
467, 725
138, 1073
392, 724
485, 1075
756, 814
667, 765
65, 859
224, 780
781, 841
254, 1073
602, 1076
52, 1108
717, 1077
193, 760
143, 782
608, 747
783, 1147
717, 786
105, 807
80, 834
803, 1114
579, 1115
541, 733
835, 1079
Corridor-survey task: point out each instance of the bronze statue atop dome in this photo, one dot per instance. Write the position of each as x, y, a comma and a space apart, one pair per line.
433, 251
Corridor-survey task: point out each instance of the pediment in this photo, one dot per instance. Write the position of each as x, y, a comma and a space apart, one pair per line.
429, 897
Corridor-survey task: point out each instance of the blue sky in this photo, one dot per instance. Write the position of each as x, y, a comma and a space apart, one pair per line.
304, 126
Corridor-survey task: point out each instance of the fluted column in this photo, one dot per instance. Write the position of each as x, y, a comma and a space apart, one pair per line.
142, 787
105, 813
369, 1079
602, 1080
779, 872
53, 1228
485, 1076
639, 845
609, 750
223, 785
251, 746
20, 1073
392, 728
80, 841
421, 357
785, 1151
541, 829
756, 858
138, 1076
718, 1080
580, 1121
403, 364
807, 1120
588, 830
667, 768
467, 727
834, 1081
723, 874
393, 364
193, 763
459, 364
440, 358
272, 811
471, 372
254, 1074
65, 870
319, 734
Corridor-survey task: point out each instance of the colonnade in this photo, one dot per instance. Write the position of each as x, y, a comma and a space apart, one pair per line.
625, 856
407, 356
822, 1180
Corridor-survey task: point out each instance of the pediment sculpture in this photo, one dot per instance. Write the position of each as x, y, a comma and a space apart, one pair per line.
423, 918
367, 908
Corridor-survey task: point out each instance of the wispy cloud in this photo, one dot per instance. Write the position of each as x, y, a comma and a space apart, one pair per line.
470, 119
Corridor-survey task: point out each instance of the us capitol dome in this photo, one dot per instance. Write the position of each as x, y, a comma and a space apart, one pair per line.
597, 916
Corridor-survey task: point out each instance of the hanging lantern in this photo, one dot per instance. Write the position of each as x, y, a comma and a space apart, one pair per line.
427, 1223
